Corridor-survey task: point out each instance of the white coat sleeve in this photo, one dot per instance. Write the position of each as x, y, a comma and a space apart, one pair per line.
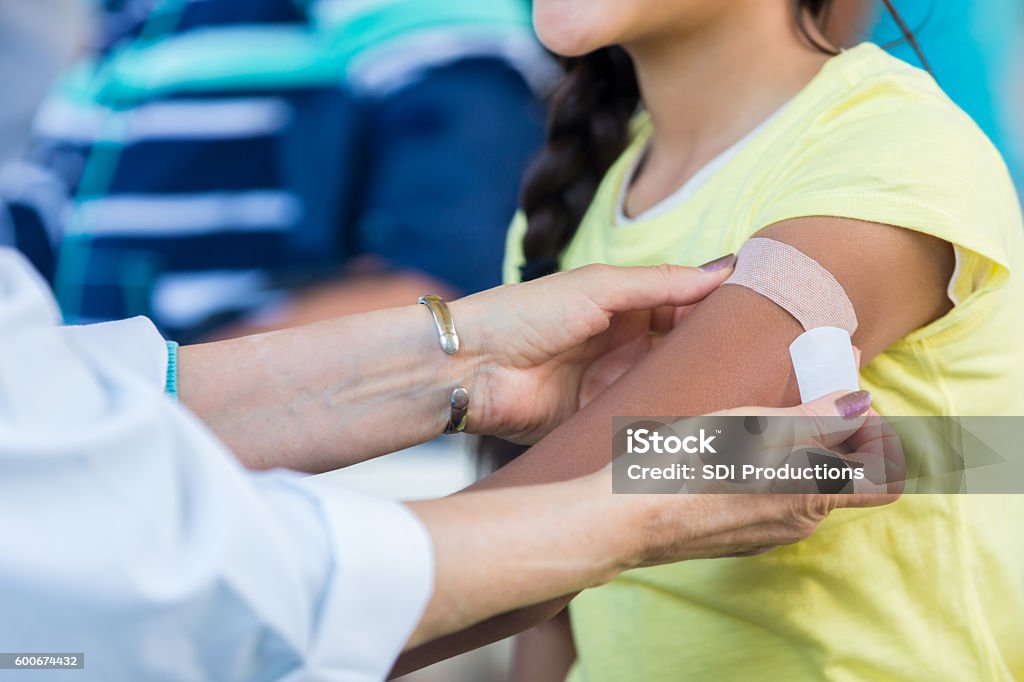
131, 535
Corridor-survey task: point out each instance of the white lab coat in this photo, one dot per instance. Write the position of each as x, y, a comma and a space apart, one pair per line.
129, 533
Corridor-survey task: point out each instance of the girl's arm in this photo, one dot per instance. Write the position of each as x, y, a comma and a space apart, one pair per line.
544, 653
733, 350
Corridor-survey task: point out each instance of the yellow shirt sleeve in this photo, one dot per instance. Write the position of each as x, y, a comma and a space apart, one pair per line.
903, 156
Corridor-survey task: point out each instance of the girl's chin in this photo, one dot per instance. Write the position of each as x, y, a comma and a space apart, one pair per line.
569, 45
571, 31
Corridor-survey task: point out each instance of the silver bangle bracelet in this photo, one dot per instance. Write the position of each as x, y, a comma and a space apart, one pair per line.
448, 337
443, 321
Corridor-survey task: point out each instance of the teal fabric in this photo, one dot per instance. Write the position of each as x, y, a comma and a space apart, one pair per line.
352, 34
289, 56
218, 59
971, 45
171, 388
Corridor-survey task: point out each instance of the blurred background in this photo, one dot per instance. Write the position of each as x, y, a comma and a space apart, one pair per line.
227, 167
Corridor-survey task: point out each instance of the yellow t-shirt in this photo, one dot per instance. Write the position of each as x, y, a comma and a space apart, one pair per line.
931, 588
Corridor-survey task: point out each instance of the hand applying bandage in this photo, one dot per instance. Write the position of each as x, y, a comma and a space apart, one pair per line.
823, 356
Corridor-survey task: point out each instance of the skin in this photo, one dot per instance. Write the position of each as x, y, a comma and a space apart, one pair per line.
285, 398
732, 349
849, 21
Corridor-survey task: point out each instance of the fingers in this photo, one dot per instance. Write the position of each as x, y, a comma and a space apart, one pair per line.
873, 444
833, 418
841, 422
667, 318
829, 420
663, 319
618, 290
878, 448
846, 419
864, 500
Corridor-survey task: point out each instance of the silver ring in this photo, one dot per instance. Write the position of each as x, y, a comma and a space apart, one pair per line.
459, 402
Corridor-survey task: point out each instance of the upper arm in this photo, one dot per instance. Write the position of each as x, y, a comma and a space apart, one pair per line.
896, 278
733, 350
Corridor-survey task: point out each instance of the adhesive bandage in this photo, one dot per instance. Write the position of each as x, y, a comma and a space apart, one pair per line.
796, 283
823, 357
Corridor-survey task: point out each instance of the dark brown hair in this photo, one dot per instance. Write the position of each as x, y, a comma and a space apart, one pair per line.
588, 128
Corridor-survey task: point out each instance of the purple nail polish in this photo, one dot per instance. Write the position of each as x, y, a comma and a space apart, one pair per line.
854, 404
719, 263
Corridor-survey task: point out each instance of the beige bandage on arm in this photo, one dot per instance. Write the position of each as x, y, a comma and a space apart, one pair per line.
795, 282
823, 358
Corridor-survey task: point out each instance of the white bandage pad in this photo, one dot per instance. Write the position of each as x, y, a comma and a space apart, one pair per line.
823, 357
824, 362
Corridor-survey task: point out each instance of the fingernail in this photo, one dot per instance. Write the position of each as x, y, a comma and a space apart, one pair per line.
854, 404
719, 263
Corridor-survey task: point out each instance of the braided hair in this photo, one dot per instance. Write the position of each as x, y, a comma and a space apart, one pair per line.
588, 129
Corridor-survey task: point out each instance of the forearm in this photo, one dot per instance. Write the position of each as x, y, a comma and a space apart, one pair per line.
325, 395
486, 632
545, 653
675, 378
504, 549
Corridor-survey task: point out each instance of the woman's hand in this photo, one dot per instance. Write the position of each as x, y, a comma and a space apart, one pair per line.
545, 348
327, 395
501, 549
687, 526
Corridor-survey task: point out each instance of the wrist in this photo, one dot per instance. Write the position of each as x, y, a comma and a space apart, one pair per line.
650, 529
471, 365
624, 520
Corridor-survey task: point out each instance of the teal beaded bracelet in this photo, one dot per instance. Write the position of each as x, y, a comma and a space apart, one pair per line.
171, 387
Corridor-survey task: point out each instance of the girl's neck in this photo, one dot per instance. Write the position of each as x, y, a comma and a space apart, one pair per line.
704, 89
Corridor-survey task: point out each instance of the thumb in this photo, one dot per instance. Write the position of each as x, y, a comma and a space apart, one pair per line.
829, 420
619, 290
834, 417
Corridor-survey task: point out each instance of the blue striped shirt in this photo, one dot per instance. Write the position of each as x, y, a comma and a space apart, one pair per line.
195, 164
